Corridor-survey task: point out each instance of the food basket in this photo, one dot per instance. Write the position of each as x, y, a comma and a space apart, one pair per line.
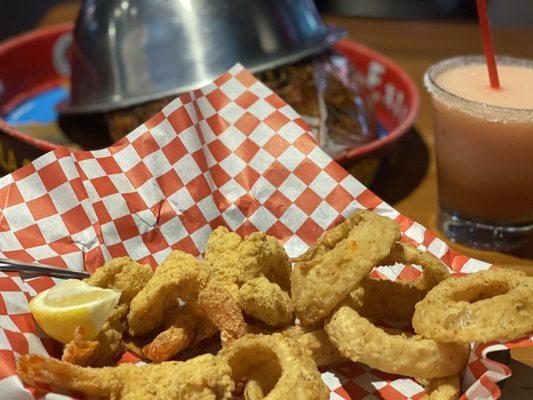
394, 91
231, 153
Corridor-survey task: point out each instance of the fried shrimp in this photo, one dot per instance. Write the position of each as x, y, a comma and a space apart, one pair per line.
255, 270
203, 377
359, 340
381, 298
478, 307
292, 374
127, 276
182, 276
338, 262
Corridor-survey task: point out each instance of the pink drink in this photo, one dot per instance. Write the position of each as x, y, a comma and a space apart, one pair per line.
484, 145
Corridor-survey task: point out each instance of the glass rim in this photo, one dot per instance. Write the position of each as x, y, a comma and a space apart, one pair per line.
434, 70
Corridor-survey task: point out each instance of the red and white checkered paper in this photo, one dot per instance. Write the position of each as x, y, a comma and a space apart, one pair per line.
232, 153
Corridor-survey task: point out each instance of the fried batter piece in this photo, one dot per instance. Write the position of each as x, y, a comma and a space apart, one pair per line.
281, 368
255, 270
448, 388
338, 262
182, 276
203, 377
127, 276
316, 343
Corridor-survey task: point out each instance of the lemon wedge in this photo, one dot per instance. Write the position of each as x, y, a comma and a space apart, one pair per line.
70, 304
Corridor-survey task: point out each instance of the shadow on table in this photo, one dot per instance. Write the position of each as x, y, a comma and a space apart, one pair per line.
403, 170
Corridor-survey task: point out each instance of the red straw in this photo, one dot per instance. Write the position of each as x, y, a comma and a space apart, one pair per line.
488, 46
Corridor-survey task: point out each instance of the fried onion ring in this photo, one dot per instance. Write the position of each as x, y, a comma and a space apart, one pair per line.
479, 307
337, 263
382, 298
298, 376
316, 343
448, 388
359, 340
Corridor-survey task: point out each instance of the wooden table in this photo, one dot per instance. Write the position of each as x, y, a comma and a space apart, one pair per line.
415, 46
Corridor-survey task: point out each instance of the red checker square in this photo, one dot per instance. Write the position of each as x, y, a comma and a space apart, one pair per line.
3, 308
351, 390
247, 123
104, 186
404, 222
302, 124
117, 250
409, 273
165, 212
56, 261
8, 285
247, 204
63, 247
149, 259
246, 78
145, 145
174, 150
428, 238
388, 392
310, 231
384, 376
455, 260
369, 199
109, 165
279, 231
8, 366
218, 221
169, 182
276, 174
419, 396
336, 171
52, 175
408, 240
221, 202
199, 115
218, 150
23, 172
24, 322
134, 202
349, 370
276, 145
79, 189
246, 99
154, 241
129, 358
101, 212
76, 219
218, 99
41, 284
193, 219
217, 124
41, 207
21, 255
199, 159
247, 150
275, 101
307, 171
185, 98
219, 175
17, 341
246, 229
198, 188
180, 119
126, 227
139, 175
10, 196
186, 245
339, 198
155, 120
305, 143
276, 120
30, 237
82, 155
94, 258
222, 79
247, 177
308, 201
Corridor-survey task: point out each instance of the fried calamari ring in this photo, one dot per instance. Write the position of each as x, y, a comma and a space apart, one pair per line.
298, 376
360, 340
338, 262
382, 298
479, 307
